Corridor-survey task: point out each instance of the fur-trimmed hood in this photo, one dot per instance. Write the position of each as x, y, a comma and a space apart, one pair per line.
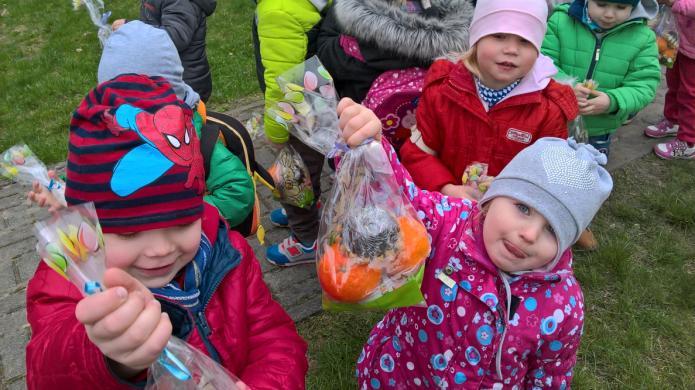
418, 36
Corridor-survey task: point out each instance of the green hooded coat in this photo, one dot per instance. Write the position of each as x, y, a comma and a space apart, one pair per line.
624, 61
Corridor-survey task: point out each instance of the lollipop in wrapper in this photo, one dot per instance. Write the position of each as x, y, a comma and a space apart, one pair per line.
71, 243
21, 164
292, 179
308, 105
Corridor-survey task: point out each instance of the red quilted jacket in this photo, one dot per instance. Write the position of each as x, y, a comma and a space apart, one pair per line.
254, 337
455, 124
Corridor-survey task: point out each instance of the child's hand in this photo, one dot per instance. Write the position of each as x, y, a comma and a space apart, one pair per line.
357, 122
594, 106
117, 24
43, 197
460, 191
125, 322
581, 92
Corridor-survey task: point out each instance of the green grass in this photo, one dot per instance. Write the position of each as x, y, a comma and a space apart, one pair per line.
639, 290
49, 56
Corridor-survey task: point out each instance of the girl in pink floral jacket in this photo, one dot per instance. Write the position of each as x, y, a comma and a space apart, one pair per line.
502, 306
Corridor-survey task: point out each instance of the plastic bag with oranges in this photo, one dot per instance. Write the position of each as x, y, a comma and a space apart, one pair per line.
372, 247
666, 36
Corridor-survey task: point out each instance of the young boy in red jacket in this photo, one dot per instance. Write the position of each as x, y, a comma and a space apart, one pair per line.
174, 267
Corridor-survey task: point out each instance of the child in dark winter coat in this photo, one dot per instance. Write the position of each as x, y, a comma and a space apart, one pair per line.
186, 23
503, 308
174, 267
491, 103
360, 39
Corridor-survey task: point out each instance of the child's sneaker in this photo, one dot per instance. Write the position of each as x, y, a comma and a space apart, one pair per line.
662, 129
291, 252
278, 217
675, 149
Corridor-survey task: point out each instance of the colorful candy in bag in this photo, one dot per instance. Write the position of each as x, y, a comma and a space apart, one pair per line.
21, 164
308, 108
71, 242
666, 36
475, 176
372, 247
292, 179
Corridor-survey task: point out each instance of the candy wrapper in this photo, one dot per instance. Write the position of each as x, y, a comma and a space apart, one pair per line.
99, 17
372, 246
578, 130
21, 164
292, 179
308, 108
475, 176
666, 36
71, 243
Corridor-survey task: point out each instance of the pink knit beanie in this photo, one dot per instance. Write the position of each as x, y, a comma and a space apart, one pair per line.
525, 18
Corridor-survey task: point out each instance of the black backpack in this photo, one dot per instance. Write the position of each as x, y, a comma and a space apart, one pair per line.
236, 138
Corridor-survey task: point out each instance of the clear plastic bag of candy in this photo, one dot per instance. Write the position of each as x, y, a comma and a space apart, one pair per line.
99, 17
308, 107
71, 243
666, 31
372, 246
475, 176
292, 179
20, 164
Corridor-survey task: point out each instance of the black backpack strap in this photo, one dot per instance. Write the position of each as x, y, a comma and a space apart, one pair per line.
238, 140
208, 138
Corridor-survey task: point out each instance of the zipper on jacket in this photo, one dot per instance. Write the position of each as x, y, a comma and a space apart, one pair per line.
594, 59
202, 323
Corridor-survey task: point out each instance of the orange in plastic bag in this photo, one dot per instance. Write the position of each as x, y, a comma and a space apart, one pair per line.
415, 246
343, 280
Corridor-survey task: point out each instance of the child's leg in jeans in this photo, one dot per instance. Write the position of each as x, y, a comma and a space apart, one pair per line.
602, 143
304, 223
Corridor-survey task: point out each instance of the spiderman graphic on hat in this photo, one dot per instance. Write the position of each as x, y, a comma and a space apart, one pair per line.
170, 140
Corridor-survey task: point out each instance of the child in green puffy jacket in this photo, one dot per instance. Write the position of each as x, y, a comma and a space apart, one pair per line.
609, 42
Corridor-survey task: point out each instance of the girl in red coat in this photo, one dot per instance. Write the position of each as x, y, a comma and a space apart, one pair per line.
174, 267
491, 102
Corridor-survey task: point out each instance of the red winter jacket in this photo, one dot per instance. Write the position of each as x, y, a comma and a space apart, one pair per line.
456, 126
253, 336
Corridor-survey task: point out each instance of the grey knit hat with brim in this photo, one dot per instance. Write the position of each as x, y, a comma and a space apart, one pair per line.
139, 48
561, 179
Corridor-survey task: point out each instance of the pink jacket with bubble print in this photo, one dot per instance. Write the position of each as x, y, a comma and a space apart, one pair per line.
488, 330
685, 15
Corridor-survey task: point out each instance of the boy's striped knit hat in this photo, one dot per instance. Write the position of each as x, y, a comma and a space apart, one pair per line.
133, 151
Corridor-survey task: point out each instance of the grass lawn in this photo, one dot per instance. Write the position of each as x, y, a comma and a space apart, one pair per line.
639, 286
49, 56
